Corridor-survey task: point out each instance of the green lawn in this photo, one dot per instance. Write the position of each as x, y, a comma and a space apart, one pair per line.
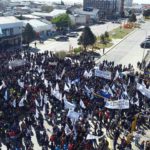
101, 46
120, 33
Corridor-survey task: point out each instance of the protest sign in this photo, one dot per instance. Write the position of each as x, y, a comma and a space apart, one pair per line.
73, 115
91, 137
103, 74
117, 104
143, 90
17, 63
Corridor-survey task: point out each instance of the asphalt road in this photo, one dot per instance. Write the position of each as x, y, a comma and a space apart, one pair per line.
129, 50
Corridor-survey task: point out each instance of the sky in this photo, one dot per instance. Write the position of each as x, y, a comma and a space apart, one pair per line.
81, 1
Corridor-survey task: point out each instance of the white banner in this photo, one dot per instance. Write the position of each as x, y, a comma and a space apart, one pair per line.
73, 115
69, 105
103, 74
17, 62
117, 104
143, 90
91, 137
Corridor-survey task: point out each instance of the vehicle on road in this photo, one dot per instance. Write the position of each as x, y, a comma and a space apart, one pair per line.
61, 38
72, 34
145, 44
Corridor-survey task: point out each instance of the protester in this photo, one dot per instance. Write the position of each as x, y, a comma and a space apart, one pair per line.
66, 103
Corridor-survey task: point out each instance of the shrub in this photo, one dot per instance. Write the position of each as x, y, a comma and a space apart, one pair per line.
77, 50
61, 54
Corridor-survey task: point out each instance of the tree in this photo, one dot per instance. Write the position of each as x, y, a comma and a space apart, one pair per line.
102, 39
87, 38
46, 8
62, 3
28, 34
106, 35
62, 21
132, 18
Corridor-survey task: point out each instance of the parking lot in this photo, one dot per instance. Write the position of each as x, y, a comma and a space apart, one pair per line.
53, 45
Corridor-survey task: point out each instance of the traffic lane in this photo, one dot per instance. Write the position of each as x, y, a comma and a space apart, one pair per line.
129, 50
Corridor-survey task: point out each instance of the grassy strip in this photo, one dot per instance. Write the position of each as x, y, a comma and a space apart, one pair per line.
101, 46
119, 33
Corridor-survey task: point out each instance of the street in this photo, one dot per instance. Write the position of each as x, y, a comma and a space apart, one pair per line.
129, 50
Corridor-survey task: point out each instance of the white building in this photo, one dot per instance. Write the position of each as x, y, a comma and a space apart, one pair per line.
78, 19
11, 31
79, 16
42, 28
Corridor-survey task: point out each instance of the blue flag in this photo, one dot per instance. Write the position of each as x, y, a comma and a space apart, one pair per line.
104, 94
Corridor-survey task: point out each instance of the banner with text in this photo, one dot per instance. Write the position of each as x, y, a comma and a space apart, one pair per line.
117, 104
103, 74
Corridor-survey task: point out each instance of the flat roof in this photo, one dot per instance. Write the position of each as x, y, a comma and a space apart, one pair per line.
9, 20
54, 13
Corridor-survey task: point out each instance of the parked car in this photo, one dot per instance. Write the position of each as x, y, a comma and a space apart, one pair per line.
61, 38
101, 22
72, 34
148, 38
145, 44
116, 21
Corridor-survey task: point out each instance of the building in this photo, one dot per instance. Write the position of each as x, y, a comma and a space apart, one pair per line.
80, 16
128, 3
145, 6
107, 8
77, 19
10, 32
48, 16
42, 28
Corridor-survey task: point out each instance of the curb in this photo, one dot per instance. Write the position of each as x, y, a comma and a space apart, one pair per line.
117, 44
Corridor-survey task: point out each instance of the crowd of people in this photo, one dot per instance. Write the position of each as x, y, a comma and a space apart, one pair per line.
61, 103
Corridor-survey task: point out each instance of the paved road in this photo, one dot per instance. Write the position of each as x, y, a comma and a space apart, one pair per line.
129, 50
53, 45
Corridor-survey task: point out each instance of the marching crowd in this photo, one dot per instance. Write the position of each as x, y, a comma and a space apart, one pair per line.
67, 96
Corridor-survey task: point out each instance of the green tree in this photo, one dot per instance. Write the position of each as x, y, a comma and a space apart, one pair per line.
106, 35
28, 34
87, 38
62, 3
103, 39
132, 18
46, 8
62, 21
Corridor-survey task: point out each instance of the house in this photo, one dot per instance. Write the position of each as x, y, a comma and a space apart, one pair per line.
49, 16
80, 16
10, 32
77, 19
42, 28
